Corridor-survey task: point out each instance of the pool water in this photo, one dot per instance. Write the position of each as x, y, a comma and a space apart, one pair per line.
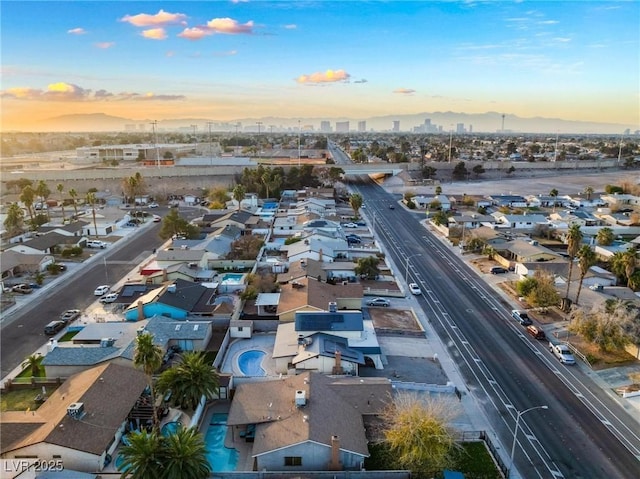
118, 463
235, 278
170, 428
221, 458
249, 363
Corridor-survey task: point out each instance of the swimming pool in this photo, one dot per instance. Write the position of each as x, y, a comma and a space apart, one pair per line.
249, 363
232, 278
221, 458
118, 464
170, 428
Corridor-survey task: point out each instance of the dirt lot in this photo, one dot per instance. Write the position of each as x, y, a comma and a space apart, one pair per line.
394, 319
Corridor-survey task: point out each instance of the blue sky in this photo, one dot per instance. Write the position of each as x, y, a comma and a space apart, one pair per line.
221, 60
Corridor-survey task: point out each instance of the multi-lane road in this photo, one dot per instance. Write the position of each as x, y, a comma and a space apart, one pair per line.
584, 433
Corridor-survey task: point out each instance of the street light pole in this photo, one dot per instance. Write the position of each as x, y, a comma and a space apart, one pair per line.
450, 141
515, 433
210, 144
299, 144
406, 269
154, 124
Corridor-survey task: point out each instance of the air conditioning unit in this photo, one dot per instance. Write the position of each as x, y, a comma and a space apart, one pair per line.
75, 410
301, 398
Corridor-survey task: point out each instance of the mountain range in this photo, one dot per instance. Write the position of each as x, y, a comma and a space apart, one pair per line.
489, 122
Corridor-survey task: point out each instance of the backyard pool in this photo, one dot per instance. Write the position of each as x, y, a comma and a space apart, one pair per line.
250, 362
221, 458
170, 428
232, 278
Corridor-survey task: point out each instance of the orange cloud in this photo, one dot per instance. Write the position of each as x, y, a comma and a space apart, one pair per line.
63, 91
160, 18
230, 26
404, 91
195, 33
105, 45
330, 76
77, 31
154, 34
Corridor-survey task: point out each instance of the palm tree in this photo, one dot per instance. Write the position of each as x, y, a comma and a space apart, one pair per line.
191, 379
588, 190
27, 196
554, 194
185, 455
43, 191
355, 201
605, 236
60, 189
574, 238
14, 220
33, 362
438, 190
74, 194
151, 456
142, 456
238, 194
629, 261
587, 258
91, 200
148, 357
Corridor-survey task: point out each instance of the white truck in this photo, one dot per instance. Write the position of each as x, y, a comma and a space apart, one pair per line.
562, 352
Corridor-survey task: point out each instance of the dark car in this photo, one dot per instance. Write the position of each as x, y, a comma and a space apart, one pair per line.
392, 207
53, 327
498, 270
522, 317
536, 332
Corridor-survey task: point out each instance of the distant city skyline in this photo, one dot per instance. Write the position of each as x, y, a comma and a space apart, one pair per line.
223, 61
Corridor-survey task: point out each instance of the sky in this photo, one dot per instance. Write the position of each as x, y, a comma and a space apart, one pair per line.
223, 60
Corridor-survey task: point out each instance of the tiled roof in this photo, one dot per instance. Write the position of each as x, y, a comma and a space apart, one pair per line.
324, 321
188, 296
79, 355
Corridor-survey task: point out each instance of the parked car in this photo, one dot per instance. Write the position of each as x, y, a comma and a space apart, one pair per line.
35, 286
153, 205
522, 317
157, 219
596, 287
58, 266
102, 289
350, 225
96, 244
392, 207
53, 327
562, 352
536, 332
109, 298
382, 302
498, 270
69, 315
414, 288
22, 289
352, 240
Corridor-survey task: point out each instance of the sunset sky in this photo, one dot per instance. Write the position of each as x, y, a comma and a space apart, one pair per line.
222, 60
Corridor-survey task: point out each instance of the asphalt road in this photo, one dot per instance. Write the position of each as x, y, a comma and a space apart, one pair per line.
583, 434
23, 332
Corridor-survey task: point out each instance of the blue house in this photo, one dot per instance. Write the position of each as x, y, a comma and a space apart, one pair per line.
177, 300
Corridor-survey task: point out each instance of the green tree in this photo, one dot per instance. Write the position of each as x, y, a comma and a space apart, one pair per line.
174, 225
43, 191
526, 285
182, 455
238, 194
335, 173
219, 195
14, 222
33, 363
544, 295
418, 432
190, 380
74, 194
588, 190
574, 240
27, 196
355, 201
478, 170
60, 189
460, 171
440, 218
629, 261
605, 236
91, 201
586, 259
367, 267
147, 356
438, 190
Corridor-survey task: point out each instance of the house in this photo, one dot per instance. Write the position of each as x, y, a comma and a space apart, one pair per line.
331, 342
93, 345
169, 257
319, 247
520, 251
490, 236
13, 263
177, 300
424, 202
75, 228
320, 270
47, 244
525, 222
471, 221
308, 422
187, 272
323, 207
80, 424
187, 335
509, 201
308, 294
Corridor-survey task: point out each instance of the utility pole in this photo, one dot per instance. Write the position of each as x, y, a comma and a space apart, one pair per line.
298, 144
210, 145
195, 139
154, 124
235, 153
450, 141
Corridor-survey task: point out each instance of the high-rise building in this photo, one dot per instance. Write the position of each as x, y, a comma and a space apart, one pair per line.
396, 125
460, 128
342, 127
362, 126
325, 126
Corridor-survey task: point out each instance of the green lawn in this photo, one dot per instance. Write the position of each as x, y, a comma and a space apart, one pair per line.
26, 373
68, 336
472, 459
22, 399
